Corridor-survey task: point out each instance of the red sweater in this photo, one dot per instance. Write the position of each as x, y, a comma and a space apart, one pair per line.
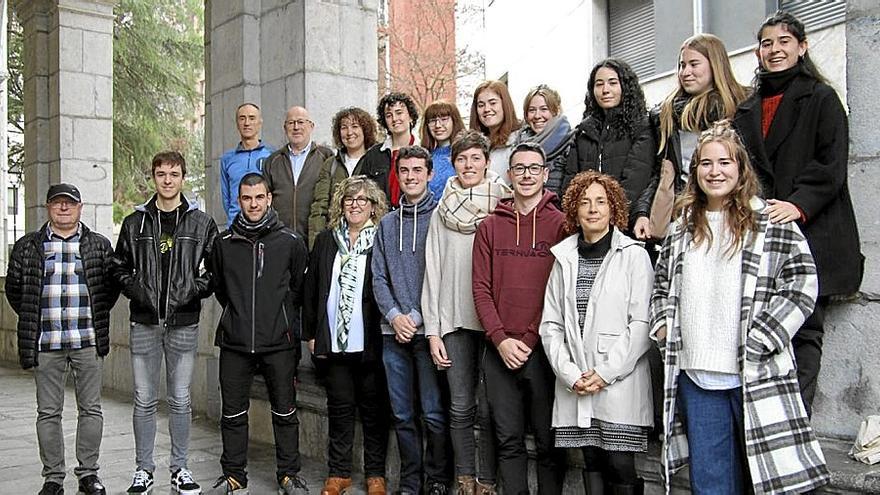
511, 265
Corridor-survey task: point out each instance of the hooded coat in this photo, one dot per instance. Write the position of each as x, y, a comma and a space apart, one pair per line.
511, 263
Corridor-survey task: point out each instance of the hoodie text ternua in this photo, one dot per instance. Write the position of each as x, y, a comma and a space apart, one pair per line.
511, 265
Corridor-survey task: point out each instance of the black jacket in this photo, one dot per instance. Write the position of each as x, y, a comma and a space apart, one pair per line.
317, 290
136, 263
642, 205
376, 164
258, 281
24, 287
804, 161
597, 147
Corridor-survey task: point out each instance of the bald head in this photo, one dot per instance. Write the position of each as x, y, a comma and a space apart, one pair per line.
298, 126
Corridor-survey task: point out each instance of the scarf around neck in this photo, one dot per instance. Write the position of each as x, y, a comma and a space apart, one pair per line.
348, 275
462, 209
245, 227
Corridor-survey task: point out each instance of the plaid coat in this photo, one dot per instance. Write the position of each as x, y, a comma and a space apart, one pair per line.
779, 287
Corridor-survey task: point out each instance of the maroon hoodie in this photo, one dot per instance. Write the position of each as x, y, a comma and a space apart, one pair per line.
512, 263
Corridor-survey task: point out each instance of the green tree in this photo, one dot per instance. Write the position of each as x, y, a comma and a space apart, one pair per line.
158, 62
158, 65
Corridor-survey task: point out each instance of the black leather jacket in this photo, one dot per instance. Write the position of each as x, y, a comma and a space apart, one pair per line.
136, 264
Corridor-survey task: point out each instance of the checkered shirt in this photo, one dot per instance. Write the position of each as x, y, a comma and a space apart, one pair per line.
65, 307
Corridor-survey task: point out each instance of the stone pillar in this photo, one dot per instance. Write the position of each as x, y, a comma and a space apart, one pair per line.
848, 388
68, 104
280, 53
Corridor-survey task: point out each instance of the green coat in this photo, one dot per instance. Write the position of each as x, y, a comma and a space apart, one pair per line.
331, 173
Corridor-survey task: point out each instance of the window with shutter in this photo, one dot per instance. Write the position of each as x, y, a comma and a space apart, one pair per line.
815, 15
631, 34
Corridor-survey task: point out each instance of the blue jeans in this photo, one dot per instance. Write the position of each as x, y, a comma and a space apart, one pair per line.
148, 344
413, 382
714, 434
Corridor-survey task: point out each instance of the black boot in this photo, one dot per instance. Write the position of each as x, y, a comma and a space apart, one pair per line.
637, 488
593, 483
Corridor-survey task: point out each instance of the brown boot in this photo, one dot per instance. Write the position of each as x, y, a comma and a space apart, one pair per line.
376, 485
336, 486
466, 485
485, 489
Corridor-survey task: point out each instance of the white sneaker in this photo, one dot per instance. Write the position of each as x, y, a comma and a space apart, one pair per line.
182, 482
141, 483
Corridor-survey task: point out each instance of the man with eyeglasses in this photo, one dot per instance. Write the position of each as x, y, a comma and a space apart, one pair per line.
59, 286
292, 171
511, 265
247, 157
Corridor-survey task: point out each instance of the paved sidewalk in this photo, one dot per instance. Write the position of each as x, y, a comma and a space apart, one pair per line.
20, 460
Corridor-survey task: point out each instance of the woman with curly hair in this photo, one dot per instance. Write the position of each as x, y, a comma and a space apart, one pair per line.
493, 114
397, 114
595, 331
731, 289
796, 131
341, 323
441, 123
707, 91
354, 132
614, 138
545, 125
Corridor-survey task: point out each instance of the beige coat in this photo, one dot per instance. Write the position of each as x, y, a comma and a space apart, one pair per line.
615, 336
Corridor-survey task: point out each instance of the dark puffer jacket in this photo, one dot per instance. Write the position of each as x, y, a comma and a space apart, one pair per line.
630, 160
136, 264
24, 286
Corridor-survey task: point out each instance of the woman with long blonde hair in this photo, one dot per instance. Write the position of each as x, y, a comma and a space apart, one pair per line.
707, 91
730, 290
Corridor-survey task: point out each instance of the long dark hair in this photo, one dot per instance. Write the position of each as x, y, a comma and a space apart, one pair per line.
632, 99
796, 28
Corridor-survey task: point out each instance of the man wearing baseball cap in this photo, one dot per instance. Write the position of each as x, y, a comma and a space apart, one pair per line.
59, 286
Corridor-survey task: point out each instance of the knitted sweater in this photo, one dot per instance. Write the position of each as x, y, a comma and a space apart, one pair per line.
710, 302
399, 260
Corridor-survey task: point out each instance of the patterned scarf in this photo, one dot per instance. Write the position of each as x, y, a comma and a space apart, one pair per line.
348, 275
462, 209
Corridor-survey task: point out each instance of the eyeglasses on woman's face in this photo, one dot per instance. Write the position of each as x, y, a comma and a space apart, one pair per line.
349, 201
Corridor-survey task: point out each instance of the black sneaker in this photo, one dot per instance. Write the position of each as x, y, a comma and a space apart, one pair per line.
292, 484
52, 488
91, 485
227, 485
142, 482
437, 488
183, 483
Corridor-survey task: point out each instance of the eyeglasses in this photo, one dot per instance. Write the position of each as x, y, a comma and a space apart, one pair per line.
439, 120
348, 201
297, 123
534, 169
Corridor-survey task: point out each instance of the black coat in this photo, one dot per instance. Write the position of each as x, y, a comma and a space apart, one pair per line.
317, 290
24, 287
136, 264
258, 282
804, 161
629, 160
376, 164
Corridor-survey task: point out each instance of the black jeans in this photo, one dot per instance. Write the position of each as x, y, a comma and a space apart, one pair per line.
618, 468
355, 386
515, 398
237, 371
807, 345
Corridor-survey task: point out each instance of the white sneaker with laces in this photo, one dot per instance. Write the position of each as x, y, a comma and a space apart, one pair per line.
141, 483
183, 483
